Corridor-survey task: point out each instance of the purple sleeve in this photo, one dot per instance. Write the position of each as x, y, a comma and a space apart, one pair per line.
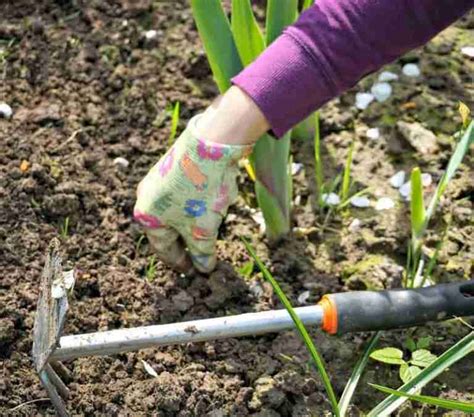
332, 46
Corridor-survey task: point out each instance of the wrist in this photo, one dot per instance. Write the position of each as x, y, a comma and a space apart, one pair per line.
232, 119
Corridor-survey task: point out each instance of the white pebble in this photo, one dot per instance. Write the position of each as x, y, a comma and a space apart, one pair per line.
398, 179
384, 203
468, 51
231, 217
149, 369
5, 110
360, 202
257, 217
411, 70
296, 168
151, 34
303, 297
405, 190
373, 133
331, 199
355, 225
297, 200
363, 100
57, 291
122, 162
426, 180
387, 76
381, 91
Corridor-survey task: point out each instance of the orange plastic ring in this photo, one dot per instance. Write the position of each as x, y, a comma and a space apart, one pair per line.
329, 324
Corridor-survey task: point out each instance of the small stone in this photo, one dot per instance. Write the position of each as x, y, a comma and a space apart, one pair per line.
296, 168
387, 76
303, 297
411, 70
398, 179
151, 34
331, 199
405, 190
381, 91
373, 133
363, 100
266, 394
384, 203
257, 217
422, 139
468, 51
426, 180
5, 110
360, 202
355, 225
297, 200
121, 162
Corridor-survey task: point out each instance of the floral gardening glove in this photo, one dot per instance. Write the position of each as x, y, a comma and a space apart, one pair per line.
185, 196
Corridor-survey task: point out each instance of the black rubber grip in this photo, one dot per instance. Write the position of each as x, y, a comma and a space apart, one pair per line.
393, 309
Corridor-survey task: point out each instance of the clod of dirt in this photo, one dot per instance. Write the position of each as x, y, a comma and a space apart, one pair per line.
42, 114
420, 138
61, 205
224, 285
7, 333
266, 393
182, 301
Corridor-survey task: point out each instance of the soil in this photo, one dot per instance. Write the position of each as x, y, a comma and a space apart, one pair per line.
86, 86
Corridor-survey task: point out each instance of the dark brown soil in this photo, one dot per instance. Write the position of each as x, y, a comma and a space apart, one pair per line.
86, 86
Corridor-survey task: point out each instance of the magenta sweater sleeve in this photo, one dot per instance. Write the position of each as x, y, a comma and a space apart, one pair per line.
332, 46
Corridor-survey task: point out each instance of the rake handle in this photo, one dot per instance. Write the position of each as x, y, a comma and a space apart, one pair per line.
393, 309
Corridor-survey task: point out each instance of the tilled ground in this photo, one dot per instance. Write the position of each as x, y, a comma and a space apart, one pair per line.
87, 86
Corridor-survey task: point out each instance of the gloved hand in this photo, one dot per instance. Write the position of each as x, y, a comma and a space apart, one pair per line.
185, 196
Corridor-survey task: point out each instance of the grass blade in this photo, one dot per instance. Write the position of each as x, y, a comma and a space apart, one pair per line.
444, 361
318, 167
346, 178
280, 13
417, 205
247, 35
216, 35
351, 385
174, 122
306, 4
299, 326
426, 399
456, 158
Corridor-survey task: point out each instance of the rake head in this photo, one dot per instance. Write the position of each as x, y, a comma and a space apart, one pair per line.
49, 323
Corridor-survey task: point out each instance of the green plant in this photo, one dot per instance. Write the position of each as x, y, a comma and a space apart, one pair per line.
64, 228
408, 369
150, 268
455, 353
420, 217
230, 46
246, 270
174, 112
315, 356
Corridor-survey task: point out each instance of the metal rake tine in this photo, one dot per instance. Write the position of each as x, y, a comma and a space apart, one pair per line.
57, 381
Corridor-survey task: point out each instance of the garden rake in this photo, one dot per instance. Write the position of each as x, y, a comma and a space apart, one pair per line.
335, 314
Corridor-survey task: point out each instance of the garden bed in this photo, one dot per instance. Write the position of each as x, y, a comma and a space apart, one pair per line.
88, 85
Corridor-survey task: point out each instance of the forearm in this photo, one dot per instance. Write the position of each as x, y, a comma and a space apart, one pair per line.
332, 46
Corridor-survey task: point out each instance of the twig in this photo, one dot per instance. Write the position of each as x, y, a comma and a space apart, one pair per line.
27, 403
68, 140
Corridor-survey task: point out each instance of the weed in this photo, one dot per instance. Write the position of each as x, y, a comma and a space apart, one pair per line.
64, 228
150, 268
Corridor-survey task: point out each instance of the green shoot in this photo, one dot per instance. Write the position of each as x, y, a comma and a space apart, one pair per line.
417, 206
346, 178
461, 349
64, 228
465, 114
316, 357
246, 270
306, 4
439, 402
174, 122
351, 385
150, 268
318, 167
139, 245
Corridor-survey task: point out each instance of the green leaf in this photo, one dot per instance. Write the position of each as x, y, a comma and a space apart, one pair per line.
426, 399
351, 385
280, 14
316, 357
174, 122
424, 342
247, 35
346, 178
247, 269
417, 204
216, 36
456, 158
422, 357
410, 344
465, 114
407, 372
389, 355
306, 4
461, 349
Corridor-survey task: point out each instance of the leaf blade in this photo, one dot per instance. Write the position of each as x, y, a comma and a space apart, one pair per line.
390, 355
